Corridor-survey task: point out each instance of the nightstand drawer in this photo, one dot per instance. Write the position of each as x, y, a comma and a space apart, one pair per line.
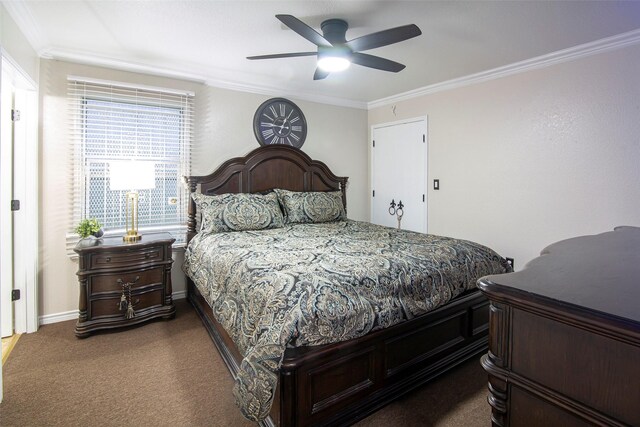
126, 258
111, 306
109, 282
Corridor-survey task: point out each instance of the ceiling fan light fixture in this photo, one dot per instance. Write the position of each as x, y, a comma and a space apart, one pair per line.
336, 53
333, 63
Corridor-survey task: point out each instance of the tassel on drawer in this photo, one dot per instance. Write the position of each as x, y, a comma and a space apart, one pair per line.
126, 303
130, 314
123, 301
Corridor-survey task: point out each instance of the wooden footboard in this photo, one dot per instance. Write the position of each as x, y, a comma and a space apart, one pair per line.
344, 382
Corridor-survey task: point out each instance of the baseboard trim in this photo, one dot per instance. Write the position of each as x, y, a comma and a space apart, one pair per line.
179, 295
58, 317
73, 314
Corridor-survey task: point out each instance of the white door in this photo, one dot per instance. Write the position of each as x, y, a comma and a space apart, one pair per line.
399, 171
6, 217
18, 181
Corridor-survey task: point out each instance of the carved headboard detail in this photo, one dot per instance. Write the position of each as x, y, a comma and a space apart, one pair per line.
263, 169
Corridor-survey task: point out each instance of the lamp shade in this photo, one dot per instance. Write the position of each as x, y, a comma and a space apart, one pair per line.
132, 175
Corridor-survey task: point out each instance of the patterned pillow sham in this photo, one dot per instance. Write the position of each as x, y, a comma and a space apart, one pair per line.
311, 207
238, 212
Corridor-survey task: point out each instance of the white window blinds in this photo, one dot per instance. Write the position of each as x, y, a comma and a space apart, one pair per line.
113, 122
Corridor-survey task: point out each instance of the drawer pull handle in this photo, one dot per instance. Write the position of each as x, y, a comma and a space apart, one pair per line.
108, 259
126, 303
147, 256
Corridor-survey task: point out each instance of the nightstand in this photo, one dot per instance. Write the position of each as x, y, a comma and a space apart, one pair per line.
123, 284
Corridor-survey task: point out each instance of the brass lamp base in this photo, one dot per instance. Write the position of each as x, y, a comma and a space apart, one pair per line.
129, 238
131, 235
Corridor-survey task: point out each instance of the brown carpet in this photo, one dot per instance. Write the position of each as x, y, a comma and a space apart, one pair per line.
170, 374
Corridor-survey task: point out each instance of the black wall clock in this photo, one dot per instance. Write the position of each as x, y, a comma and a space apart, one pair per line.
280, 121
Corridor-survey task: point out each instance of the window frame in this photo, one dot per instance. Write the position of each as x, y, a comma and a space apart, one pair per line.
80, 91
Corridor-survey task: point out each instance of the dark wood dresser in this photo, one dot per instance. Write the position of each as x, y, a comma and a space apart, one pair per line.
123, 284
564, 335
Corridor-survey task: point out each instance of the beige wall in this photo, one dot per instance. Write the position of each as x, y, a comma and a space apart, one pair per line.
223, 129
532, 158
16, 45
336, 136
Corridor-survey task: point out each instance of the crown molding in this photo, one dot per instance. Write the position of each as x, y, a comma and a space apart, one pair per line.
22, 16
123, 65
118, 64
565, 55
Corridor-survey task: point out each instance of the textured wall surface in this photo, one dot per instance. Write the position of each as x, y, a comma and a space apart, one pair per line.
533, 158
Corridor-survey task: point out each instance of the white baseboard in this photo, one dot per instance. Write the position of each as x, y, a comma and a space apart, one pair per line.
58, 317
73, 314
179, 295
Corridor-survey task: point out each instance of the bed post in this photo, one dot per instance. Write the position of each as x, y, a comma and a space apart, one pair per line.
191, 211
343, 189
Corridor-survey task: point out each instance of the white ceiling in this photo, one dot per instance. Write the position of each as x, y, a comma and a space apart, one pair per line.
209, 40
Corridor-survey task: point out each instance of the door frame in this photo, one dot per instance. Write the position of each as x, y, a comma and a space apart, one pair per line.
24, 187
424, 119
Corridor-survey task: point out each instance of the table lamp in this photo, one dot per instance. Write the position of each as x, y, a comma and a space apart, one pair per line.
132, 175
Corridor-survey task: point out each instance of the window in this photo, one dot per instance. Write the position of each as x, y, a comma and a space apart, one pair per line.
112, 122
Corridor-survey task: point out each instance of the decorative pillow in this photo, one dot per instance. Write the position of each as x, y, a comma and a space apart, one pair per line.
304, 207
238, 212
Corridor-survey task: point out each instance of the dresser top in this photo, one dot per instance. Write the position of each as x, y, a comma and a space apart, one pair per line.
599, 273
106, 243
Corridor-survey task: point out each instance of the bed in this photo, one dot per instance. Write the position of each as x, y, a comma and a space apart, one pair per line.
289, 373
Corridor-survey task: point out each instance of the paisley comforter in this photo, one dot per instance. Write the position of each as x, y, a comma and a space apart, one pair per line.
311, 284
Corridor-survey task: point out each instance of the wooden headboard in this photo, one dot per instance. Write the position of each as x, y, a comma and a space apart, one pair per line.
263, 169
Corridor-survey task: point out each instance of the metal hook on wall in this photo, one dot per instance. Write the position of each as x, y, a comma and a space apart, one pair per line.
397, 210
392, 207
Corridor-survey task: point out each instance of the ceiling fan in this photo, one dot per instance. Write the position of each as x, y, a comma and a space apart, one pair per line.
335, 53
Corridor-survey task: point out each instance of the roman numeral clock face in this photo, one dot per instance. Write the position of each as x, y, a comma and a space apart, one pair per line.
280, 121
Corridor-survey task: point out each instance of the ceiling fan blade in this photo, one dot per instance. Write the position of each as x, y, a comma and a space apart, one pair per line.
304, 30
384, 38
376, 62
320, 74
283, 55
